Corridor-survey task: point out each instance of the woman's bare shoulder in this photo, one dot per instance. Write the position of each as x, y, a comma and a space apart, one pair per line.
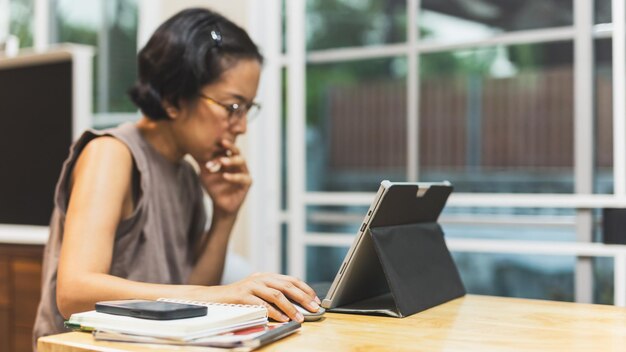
106, 157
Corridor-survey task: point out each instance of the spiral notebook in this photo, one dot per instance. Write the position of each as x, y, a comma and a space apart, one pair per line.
243, 340
220, 318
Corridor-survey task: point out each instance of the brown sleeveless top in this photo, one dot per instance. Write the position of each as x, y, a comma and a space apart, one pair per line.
154, 245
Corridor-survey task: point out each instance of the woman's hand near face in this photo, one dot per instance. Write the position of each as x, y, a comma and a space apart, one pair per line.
226, 180
274, 292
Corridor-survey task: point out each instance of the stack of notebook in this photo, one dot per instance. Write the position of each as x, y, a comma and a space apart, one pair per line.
225, 325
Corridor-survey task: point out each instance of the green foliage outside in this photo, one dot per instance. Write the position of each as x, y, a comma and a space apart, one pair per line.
21, 21
348, 23
122, 32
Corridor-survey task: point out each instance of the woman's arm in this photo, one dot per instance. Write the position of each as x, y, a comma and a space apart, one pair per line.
209, 267
227, 189
100, 198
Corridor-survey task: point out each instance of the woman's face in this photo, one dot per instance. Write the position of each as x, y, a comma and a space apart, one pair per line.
201, 125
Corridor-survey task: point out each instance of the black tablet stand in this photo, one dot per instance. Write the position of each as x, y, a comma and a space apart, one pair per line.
417, 267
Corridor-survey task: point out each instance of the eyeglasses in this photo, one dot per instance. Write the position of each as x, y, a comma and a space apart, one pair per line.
236, 111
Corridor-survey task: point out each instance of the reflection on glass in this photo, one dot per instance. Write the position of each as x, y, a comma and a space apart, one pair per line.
603, 284
454, 21
514, 275
493, 212
544, 277
284, 175
602, 11
284, 248
603, 53
76, 24
110, 26
21, 21
343, 23
283, 26
498, 119
322, 263
517, 228
547, 277
356, 124
335, 219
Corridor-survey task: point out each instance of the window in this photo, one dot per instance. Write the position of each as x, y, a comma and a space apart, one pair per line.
447, 21
21, 21
111, 27
356, 124
499, 119
485, 94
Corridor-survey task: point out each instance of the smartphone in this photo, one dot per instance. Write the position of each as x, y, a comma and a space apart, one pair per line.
155, 310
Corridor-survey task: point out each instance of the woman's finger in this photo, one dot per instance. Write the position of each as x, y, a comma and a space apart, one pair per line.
213, 166
272, 312
241, 179
303, 286
296, 294
299, 283
279, 300
228, 145
227, 164
236, 162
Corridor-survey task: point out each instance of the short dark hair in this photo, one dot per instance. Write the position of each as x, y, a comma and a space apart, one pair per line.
191, 49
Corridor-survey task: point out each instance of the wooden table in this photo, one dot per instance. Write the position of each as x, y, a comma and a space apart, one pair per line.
471, 323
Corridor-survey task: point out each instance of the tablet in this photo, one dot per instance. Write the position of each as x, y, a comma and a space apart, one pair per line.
361, 276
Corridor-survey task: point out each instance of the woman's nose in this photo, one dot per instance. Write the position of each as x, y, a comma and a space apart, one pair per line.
240, 125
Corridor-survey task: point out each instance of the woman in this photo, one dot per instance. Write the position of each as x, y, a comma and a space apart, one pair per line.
129, 220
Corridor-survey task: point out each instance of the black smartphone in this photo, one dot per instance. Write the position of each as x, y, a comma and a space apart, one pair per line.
146, 309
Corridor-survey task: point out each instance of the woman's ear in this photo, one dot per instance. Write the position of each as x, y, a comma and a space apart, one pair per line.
170, 109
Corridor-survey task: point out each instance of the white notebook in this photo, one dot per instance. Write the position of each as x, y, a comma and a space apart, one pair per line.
220, 318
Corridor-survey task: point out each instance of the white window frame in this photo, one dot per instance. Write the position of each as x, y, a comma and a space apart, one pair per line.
582, 34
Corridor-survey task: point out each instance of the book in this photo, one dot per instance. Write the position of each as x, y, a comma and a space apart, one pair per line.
220, 318
244, 339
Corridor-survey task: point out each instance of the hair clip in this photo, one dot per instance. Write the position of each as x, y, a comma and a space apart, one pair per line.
217, 37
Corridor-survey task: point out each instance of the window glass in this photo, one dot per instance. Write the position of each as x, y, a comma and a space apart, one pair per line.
283, 142
602, 11
344, 219
510, 275
283, 26
545, 277
498, 119
21, 21
532, 224
356, 124
494, 119
502, 274
517, 275
603, 284
111, 27
322, 263
284, 249
456, 21
346, 23
604, 116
